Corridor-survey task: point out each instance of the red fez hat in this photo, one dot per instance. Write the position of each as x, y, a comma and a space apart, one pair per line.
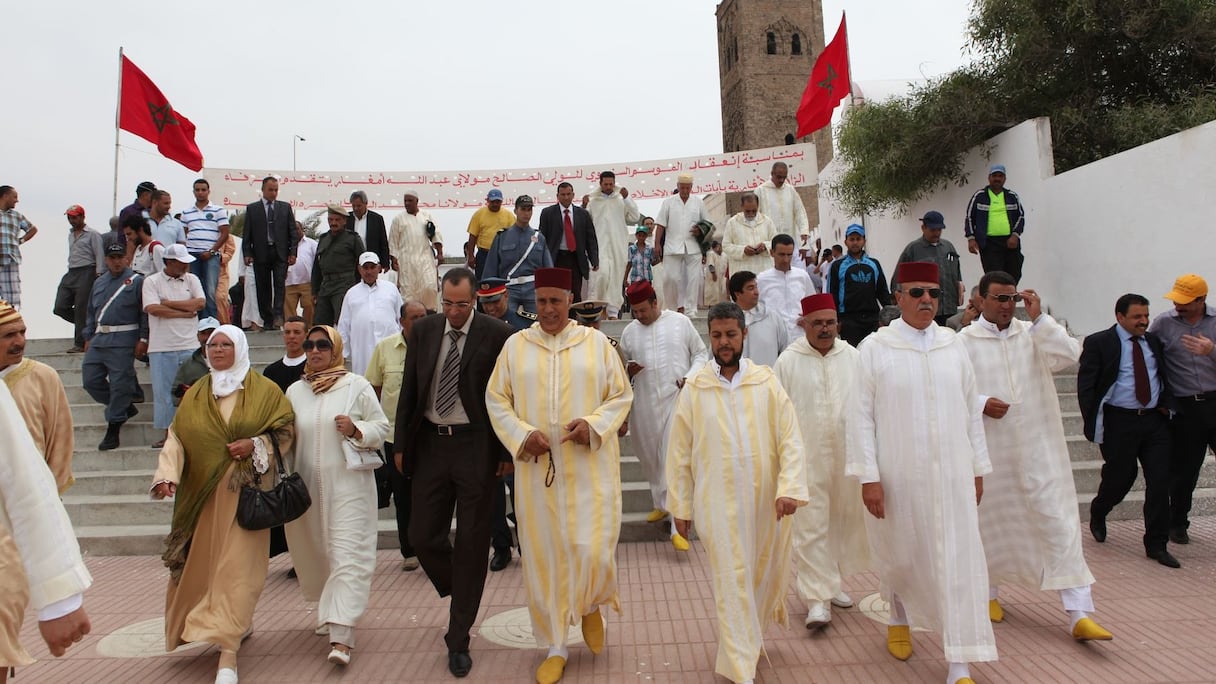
917, 272
552, 277
818, 302
640, 291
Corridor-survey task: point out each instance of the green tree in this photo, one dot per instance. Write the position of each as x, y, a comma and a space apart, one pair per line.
1110, 74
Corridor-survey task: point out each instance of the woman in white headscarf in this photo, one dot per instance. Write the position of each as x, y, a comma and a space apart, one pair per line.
333, 545
219, 438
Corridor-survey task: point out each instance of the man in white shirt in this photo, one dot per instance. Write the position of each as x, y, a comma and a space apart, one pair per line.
172, 300
782, 287
370, 313
298, 293
767, 335
779, 200
678, 241
206, 232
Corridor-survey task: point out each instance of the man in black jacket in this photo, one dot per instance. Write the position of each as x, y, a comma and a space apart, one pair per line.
269, 244
369, 226
570, 235
994, 223
1125, 402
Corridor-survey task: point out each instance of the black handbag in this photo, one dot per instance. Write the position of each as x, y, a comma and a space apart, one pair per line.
258, 509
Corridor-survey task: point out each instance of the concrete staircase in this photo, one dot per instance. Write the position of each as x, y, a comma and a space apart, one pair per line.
112, 514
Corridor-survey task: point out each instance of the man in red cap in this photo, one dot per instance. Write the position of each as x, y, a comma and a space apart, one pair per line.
86, 260
916, 444
663, 350
818, 371
563, 435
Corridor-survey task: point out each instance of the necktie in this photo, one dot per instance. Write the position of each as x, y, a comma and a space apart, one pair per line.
1144, 394
449, 377
569, 226
270, 223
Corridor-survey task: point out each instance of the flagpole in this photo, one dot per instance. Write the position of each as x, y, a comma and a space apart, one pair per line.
117, 123
848, 60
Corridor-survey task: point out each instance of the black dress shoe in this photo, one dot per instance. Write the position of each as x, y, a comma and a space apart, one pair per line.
459, 663
1178, 535
500, 561
1097, 527
1164, 557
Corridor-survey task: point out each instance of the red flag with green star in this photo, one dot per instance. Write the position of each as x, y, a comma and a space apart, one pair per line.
144, 111
828, 85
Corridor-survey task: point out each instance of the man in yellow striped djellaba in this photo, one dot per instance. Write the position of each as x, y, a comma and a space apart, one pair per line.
556, 398
735, 455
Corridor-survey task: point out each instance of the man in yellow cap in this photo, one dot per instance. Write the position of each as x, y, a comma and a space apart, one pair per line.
39, 395
1189, 335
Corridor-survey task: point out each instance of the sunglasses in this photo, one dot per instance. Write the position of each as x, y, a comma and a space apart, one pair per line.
918, 292
319, 345
1006, 298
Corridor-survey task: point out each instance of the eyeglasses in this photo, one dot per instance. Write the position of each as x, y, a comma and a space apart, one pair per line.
319, 345
918, 292
448, 304
220, 345
1006, 298
822, 324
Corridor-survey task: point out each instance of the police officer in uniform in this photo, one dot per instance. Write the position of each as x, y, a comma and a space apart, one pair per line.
515, 255
115, 332
589, 313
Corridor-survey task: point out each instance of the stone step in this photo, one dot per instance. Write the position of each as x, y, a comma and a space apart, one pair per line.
1131, 508
83, 414
132, 482
51, 346
117, 509
1066, 384
259, 357
77, 396
135, 433
1087, 475
88, 459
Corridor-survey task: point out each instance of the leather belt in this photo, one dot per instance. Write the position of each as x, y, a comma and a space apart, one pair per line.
525, 314
448, 430
1206, 396
1133, 412
117, 328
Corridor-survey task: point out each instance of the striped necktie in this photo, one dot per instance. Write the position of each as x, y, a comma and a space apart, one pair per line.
449, 377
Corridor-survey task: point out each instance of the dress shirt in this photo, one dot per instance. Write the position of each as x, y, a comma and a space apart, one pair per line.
1123, 392
1189, 374
361, 227
86, 249
735, 381
563, 212
458, 416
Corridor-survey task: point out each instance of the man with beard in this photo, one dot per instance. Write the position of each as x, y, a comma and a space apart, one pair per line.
664, 350
747, 237
568, 472
818, 371
735, 455
916, 444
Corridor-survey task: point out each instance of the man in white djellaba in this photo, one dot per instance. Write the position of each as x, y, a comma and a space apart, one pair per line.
779, 200
1029, 520
915, 441
612, 213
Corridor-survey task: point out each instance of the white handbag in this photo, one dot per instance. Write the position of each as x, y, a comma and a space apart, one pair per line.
357, 457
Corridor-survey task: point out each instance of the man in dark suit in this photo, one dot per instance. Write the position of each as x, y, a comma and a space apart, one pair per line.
570, 234
444, 438
1125, 401
369, 226
269, 243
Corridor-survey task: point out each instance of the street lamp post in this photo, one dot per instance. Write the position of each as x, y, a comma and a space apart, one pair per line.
294, 139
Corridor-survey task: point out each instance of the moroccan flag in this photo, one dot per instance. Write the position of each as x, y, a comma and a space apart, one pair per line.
828, 85
144, 111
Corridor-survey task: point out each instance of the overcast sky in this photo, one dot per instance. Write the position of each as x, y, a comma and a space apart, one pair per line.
397, 86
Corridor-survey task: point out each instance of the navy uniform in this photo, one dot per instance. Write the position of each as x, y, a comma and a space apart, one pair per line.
115, 324
589, 313
515, 255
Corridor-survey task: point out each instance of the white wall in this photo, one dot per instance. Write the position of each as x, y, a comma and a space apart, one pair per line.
1132, 222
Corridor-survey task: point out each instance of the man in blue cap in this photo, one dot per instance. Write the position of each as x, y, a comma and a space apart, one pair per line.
483, 226
931, 247
993, 225
857, 283
515, 254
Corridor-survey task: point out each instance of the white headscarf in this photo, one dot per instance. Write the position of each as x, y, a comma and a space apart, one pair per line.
226, 382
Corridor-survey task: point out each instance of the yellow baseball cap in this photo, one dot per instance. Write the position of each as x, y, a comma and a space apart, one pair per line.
1187, 289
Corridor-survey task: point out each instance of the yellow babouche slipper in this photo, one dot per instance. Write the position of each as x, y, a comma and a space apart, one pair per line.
995, 612
678, 541
965, 680
899, 641
656, 515
1088, 630
550, 671
593, 631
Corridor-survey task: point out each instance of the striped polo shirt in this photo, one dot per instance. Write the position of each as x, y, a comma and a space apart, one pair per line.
203, 226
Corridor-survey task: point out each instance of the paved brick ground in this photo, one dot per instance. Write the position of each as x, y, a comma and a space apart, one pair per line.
1163, 622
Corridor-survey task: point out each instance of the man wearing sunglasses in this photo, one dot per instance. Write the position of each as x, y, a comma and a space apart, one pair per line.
931, 247
1029, 521
916, 444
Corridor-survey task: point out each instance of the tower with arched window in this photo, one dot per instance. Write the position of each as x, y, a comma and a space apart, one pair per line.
766, 49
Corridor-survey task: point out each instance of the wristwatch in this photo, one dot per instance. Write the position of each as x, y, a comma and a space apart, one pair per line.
215, 252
